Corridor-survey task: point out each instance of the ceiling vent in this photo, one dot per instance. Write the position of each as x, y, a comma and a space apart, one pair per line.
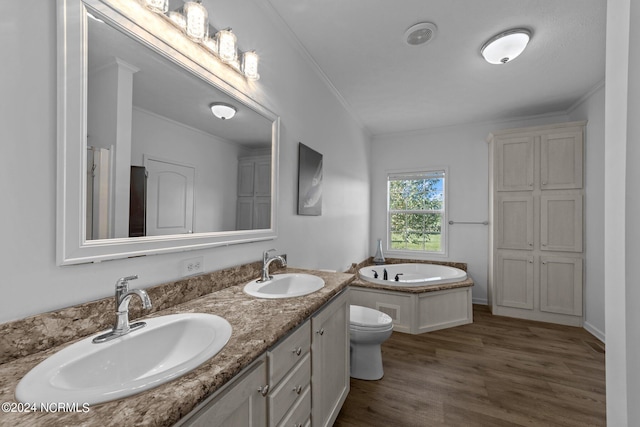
420, 34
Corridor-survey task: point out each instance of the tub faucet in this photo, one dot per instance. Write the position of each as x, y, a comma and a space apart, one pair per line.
122, 299
266, 262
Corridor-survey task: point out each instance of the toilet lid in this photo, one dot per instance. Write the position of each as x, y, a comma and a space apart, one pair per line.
368, 317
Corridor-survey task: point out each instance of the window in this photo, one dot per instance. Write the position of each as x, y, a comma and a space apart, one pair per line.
416, 211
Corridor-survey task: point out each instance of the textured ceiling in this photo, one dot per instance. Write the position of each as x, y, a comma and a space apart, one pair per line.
391, 87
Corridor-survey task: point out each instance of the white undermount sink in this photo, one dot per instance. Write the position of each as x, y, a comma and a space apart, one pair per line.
168, 347
285, 286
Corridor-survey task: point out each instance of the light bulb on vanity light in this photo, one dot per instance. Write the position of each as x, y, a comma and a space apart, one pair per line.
197, 20
227, 45
250, 65
158, 6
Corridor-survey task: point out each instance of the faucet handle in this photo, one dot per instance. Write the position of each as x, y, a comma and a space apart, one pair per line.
265, 254
123, 282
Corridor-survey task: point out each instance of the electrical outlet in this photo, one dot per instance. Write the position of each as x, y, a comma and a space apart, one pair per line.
192, 266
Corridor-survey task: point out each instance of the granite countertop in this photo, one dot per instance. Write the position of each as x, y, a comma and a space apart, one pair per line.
257, 325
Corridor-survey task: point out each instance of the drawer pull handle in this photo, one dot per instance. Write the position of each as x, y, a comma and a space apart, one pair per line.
297, 389
320, 332
297, 351
264, 390
297, 425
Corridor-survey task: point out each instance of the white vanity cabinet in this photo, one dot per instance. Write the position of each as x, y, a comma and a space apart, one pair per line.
289, 398
302, 380
239, 403
536, 271
330, 361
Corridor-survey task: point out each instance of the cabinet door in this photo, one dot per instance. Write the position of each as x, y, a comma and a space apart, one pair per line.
262, 212
246, 178
514, 226
561, 285
514, 164
561, 160
244, 213
239, 404
561, 222
330, 361
262, 185
514, 282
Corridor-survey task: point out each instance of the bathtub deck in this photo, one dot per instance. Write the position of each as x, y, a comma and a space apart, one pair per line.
497, 371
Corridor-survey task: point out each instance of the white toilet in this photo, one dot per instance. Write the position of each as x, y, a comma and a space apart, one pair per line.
368, 329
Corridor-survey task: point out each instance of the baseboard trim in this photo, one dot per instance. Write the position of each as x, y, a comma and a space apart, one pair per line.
594, 331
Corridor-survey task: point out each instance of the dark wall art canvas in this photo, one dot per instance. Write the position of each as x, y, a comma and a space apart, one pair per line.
309, 181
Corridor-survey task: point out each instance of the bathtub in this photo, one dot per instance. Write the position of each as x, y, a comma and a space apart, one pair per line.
412, 275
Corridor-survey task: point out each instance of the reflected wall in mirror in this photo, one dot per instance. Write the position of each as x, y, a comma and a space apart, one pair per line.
159, 171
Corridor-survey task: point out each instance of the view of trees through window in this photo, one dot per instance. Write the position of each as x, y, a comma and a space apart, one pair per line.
416, 211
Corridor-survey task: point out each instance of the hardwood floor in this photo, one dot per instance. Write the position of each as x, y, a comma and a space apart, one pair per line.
497, 371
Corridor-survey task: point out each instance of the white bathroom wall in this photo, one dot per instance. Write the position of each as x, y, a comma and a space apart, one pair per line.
465, 151
591, 108
31, 282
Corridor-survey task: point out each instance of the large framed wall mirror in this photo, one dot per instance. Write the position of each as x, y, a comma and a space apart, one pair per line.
144, 166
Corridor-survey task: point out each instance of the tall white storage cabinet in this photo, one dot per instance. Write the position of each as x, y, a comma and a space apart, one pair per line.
254, 193
536, 262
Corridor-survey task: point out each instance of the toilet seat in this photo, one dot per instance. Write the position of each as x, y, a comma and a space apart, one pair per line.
368, 319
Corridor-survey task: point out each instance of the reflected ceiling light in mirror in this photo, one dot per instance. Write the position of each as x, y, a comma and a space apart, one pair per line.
223, 111
506, 46
159, 6
197, 20
192, 18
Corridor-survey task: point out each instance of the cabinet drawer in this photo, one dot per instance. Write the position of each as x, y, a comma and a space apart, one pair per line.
284, 356
285, 394
300, 413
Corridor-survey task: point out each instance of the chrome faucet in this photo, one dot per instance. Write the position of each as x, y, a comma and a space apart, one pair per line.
123, 297
266, 262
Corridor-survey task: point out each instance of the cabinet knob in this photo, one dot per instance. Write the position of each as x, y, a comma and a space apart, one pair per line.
320, 332
264, 390
544, 182
297, 351
544, 244
297, 389
530, 262
530, 244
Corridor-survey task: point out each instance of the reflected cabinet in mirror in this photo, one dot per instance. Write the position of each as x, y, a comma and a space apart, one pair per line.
144, 164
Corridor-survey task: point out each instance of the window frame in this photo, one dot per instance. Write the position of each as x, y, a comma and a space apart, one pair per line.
444, 230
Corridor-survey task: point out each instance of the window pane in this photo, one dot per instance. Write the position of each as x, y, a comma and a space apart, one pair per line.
416, 194
414, 231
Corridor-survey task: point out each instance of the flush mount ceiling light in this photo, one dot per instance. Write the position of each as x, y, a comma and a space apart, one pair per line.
223, 111
420, 33
506, 46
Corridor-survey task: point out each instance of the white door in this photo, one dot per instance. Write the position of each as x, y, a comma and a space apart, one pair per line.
170, 188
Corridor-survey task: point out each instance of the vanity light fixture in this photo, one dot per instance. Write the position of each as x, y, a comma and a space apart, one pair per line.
506, 46
192, 18
223, 111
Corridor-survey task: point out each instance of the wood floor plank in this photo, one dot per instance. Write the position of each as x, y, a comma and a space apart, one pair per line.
496, 371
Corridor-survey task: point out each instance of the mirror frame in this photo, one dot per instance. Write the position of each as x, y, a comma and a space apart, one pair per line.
158, 34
